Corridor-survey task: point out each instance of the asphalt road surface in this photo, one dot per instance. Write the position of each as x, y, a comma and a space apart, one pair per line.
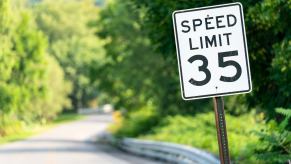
70, 143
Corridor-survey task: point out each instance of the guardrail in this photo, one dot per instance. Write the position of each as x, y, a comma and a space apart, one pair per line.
170, 152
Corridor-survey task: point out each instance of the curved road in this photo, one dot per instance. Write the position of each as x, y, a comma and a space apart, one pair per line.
70, 143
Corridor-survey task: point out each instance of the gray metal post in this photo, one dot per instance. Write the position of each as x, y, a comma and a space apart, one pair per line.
221, 130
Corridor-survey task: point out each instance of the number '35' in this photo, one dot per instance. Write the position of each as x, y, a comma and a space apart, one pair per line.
221, 63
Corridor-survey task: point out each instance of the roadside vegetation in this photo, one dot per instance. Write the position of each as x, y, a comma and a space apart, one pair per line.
59, 56
33, 129
46, 52
140, 77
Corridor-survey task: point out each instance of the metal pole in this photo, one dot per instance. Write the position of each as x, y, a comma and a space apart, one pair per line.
221, 130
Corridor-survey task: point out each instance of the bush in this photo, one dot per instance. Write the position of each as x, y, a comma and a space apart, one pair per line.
275, 140
135, 123
9, 126
200, 131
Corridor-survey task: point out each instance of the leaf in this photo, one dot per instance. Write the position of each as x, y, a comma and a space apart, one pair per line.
285, 112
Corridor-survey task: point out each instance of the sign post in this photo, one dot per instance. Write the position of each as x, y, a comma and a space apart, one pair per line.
221, 130
212, 58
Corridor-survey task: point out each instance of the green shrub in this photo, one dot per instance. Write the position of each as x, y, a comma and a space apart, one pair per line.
200, 131
136, 123
275, 140
9, 126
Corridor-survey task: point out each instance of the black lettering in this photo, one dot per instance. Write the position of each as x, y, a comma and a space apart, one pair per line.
222, 63
208, 22
210, 42
195, 24
219, 37
186, 26
227, 37
218, 21
201, 42
191, 46
228, 20
202, 68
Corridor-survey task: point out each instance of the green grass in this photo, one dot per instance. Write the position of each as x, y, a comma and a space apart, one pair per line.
36, 129
67, 118
27, 132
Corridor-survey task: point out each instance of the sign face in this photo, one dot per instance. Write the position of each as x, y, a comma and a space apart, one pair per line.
212, 51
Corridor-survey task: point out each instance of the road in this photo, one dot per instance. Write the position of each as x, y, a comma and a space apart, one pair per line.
70, 143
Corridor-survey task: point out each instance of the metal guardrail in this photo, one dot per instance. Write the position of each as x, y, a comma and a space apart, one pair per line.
164, 151
170, 152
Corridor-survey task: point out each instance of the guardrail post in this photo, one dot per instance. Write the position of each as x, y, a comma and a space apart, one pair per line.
221, 130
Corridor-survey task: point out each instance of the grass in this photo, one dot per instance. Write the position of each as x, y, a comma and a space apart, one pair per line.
36, 129
67, 118
27, 132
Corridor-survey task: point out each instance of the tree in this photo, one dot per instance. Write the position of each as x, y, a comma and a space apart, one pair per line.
73, 43
134, 74
27, 69
127, 74
268, 33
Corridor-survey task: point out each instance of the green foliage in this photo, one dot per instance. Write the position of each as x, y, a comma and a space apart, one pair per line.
126, 72
200, 131
140, 68
281, 72
6, 56
44, 55
73, 43
19, 131
136, 123
268, 33
270, 57
29, 74
140, 45
236, 104
285, 112
10, 126
133, 74
67, 117
275, 140
56, 92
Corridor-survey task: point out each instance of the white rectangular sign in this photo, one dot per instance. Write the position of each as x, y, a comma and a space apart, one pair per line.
212, 51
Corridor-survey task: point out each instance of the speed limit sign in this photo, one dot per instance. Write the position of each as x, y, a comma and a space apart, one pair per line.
212, 51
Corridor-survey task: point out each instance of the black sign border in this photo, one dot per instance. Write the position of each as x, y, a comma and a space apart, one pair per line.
179, 59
